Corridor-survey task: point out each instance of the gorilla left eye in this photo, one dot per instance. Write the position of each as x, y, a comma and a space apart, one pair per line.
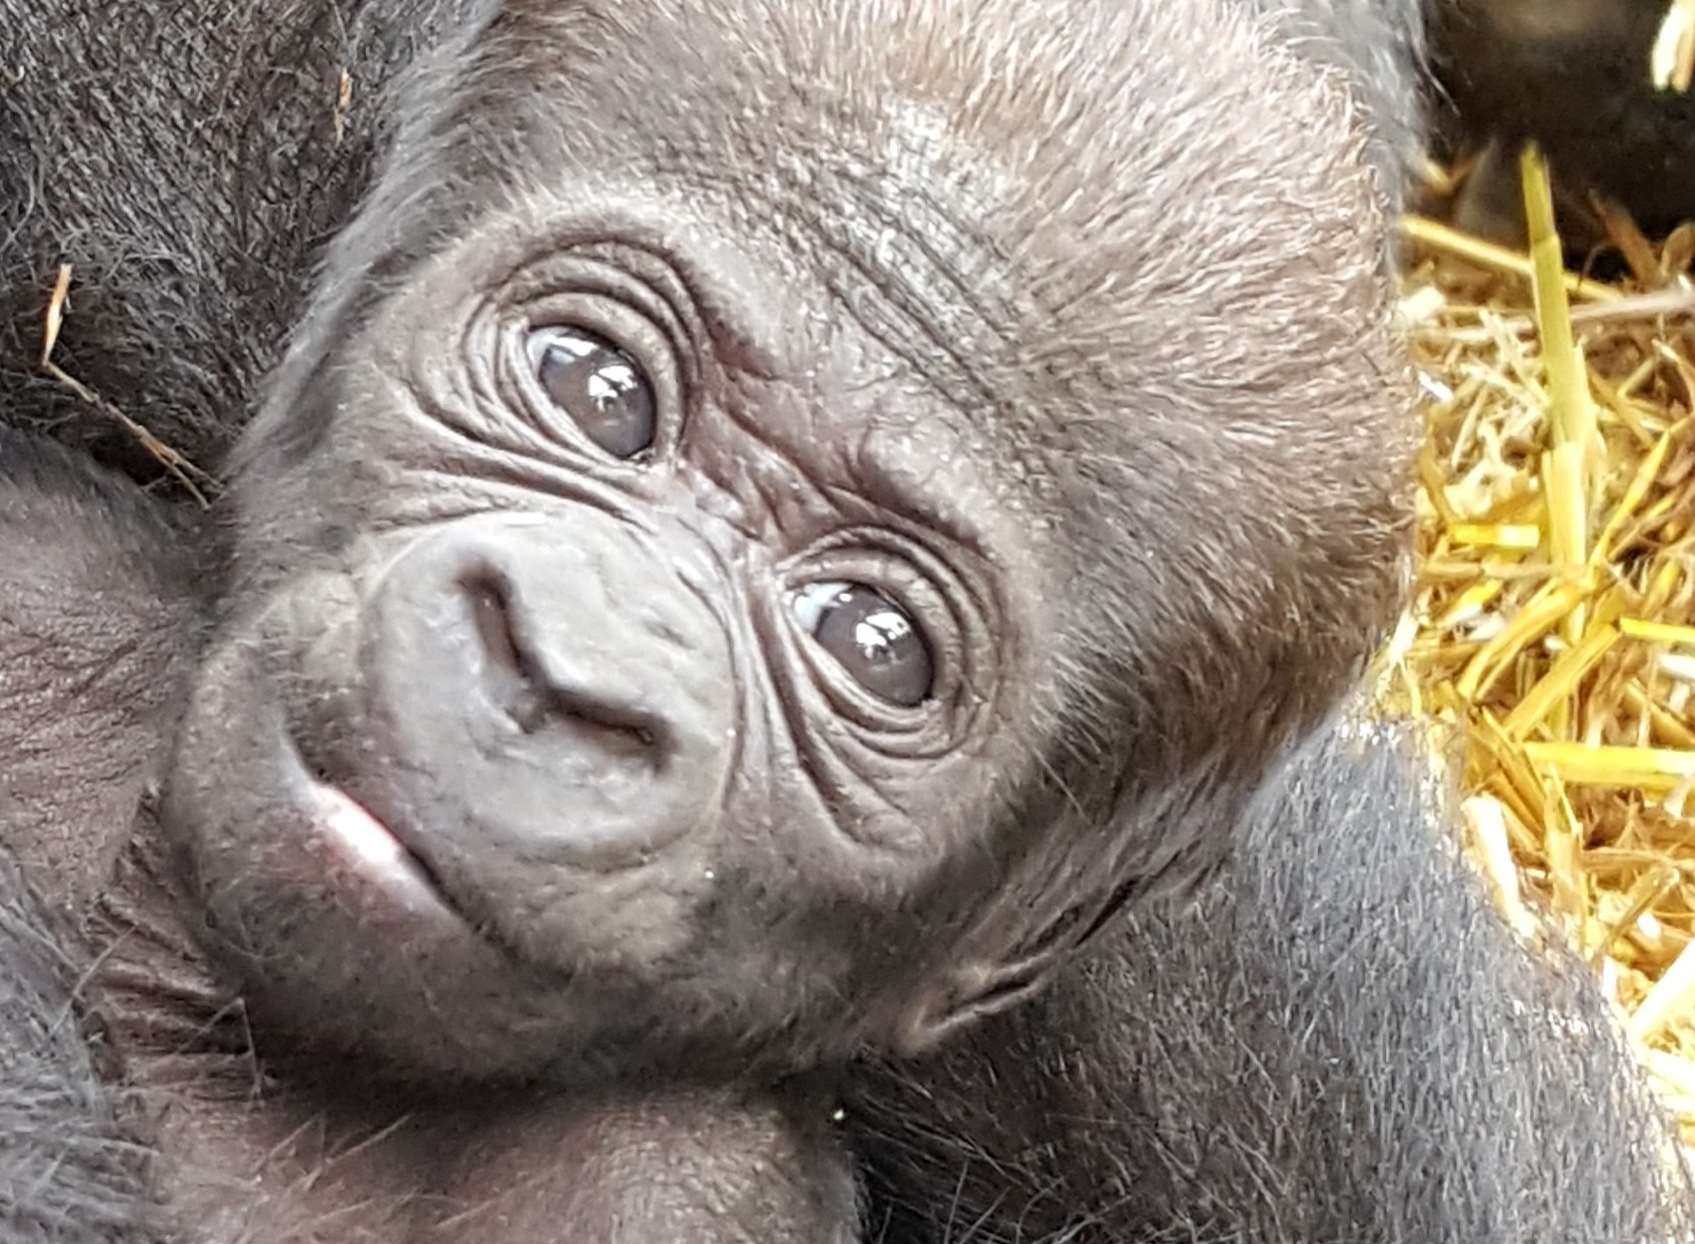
869, 636
600, 387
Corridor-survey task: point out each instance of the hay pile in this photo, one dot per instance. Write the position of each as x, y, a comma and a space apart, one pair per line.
1553, 619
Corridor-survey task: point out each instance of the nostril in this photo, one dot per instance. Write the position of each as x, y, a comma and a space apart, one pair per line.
488, 606
534, 695
509, 684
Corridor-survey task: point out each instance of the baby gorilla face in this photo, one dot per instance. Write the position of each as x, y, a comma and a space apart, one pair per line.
633, 685
705, 598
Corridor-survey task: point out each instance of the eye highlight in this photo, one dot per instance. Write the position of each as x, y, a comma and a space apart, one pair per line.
598, 386
870, 637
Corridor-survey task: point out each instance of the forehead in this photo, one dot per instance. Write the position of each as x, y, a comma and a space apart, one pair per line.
1019, 154
1059, 208
819, 158
844, 117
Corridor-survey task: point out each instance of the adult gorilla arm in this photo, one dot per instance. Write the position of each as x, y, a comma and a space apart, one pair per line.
1336, 1041
766, 536
1576, 77
69, 1169
97, 607
95, 628
188, 160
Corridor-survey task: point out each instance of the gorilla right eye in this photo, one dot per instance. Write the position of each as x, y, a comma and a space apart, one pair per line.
600, 387
869, 636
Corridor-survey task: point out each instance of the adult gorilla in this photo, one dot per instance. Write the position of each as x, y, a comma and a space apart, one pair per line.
1576, 76
780, 524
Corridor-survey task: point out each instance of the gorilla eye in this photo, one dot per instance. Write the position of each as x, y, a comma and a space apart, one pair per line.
599, 386
870, 637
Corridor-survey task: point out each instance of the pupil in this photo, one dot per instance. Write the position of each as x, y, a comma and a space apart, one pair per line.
879, 634
611, 383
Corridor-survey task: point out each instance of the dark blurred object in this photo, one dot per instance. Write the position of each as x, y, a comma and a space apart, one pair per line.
1577, 77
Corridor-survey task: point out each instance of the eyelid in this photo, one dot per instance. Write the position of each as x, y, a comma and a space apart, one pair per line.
609, 294
877, 567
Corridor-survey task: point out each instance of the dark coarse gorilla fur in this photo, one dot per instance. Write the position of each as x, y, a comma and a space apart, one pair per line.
1572, 75
190, 160
1022, 294
70, 1167
1338, 1041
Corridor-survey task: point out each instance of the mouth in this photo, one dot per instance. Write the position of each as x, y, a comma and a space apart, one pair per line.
362, 849
368, 847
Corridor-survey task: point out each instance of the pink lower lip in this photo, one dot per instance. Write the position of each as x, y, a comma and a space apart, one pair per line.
368, 847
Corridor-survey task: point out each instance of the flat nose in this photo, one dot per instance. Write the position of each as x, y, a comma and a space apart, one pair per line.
542, 684
557, 682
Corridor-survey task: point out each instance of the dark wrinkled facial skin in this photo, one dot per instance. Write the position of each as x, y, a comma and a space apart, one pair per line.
729, 585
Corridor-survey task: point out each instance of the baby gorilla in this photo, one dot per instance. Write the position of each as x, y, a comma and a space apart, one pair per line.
780, 523
719, 584
1293, 1057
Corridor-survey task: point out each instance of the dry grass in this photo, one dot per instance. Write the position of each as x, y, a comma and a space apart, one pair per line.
1553, 620
192, 478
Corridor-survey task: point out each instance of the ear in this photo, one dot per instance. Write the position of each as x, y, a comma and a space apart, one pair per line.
980, 985
968, 992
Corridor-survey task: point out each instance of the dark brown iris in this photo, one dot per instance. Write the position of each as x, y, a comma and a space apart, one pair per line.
599, 386
871, 638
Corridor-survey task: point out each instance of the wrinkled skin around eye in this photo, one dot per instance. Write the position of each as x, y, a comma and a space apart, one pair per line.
601, 388
871, 638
